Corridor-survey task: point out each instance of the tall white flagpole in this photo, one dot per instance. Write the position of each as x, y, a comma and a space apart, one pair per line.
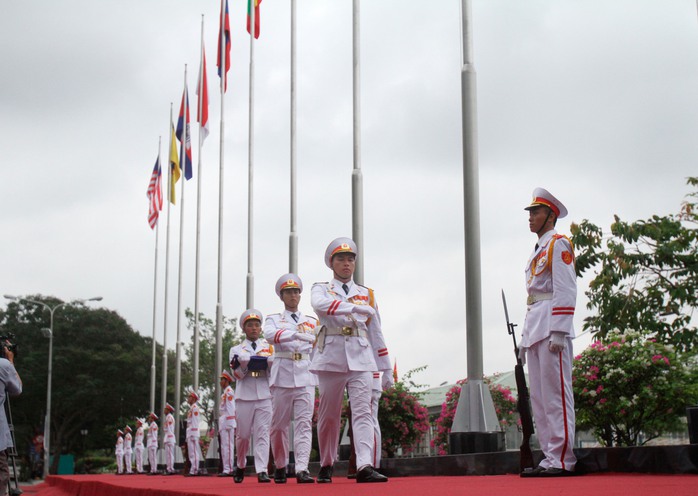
357, 198
163, 392
178, 348
155, 298
250, 167
293, 235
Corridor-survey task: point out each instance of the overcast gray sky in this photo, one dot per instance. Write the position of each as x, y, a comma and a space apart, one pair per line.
591, 99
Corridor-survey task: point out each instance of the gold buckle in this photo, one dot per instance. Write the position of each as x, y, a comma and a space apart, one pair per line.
347, 331
255, 373
297, 356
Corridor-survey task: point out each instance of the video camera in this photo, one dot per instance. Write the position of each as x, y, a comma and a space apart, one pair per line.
7, 342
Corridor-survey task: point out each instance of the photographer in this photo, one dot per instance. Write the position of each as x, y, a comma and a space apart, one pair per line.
10, 383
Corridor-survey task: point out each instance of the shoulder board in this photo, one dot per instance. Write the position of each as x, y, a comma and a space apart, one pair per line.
365, 287
273, 315
320, 283
312, 317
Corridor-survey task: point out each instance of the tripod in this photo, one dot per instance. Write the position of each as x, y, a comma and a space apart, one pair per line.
12, 454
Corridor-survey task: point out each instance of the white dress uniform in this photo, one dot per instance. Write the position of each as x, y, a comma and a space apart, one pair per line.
193, 434
376, 392
153, 447
552, 291
226, 428
128, 452
139, 448
119, 451
346, 361
169, 441
292, 386
252, 406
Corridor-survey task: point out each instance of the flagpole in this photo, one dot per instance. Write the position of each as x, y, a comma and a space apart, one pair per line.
163, 392
250, 165
293, 236
155, 299
357, 198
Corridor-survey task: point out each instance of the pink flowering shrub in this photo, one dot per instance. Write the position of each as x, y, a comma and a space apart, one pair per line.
629, 389
403, 419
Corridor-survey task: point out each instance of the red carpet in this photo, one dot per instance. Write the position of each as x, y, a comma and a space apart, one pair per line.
509, 485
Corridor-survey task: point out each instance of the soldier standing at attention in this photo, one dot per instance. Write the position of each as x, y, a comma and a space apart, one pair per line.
193, 434
119, 451
153, 443
226, 424
138, 447
292, 384
169, 441
546, 343
128, 450
349, 348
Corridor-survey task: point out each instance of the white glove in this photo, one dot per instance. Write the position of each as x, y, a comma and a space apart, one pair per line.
522, 355
305, 336
270, 360
366, 310
244, 359
558, 342
387, 380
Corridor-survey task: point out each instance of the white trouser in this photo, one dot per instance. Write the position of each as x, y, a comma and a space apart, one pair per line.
377, 438
300, 402
153, 458
253, 419
194, 453
227, 440
119, 463
169, 457
127, 461
358, 385
139, 459
552, 402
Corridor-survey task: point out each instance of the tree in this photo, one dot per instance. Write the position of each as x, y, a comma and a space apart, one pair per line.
100, 375
647, 275
629, 389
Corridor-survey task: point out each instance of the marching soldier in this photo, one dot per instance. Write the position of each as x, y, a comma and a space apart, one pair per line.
350, 347
169, 441
153, 443
546, 343
292, 384
226, 424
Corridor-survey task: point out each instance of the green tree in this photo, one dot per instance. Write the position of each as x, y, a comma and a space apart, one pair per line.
100, 374
629, 389
646, 274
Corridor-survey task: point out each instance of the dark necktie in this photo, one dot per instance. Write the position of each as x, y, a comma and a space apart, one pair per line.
254, 345
536, 249
295, 317
345, 288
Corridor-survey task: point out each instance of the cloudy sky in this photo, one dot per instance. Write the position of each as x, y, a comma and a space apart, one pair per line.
592, 99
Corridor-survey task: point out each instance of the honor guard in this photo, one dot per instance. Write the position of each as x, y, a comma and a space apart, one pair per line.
226, 424
169, 440
153, 443
193, 434
349, 348
119, 451
292, 384
250, 362
546, 343
138, 445
128, 450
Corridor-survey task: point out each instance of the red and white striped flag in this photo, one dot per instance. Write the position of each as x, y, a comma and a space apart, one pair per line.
202, 100
154, 194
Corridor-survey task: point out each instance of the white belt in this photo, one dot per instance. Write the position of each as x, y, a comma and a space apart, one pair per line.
345, 331
256, 373
536, 297
291, 355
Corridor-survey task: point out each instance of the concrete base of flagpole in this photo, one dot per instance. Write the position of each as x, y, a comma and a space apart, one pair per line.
461, 443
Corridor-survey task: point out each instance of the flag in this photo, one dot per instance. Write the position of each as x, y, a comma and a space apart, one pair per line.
154, 194
202, 100
395, 371
225, 30
182, 121
256, 16
174, 164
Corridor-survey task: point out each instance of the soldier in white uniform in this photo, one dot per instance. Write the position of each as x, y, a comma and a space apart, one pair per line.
349, 348
250, 362
292, 384
226, 424
169, 440
128, 450
119, 451
138, 445
546, 343
153, 443
193, 434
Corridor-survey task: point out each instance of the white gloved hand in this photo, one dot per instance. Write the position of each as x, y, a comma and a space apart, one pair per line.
557, 342
305, 336
522, 355
270, 360
366, 310
387, 380
244, 359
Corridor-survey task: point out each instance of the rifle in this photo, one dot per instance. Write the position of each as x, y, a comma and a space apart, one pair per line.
523, 401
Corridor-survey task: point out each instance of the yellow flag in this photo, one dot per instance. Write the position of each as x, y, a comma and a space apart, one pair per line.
174, 165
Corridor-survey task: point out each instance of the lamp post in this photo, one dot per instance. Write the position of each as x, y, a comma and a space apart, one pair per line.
47, 421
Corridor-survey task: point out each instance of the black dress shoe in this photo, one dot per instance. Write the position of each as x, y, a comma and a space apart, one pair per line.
303, 477
531, 472
555, 472
280, 476
325, 474
263, 477
238, 475
368, 474
223, 474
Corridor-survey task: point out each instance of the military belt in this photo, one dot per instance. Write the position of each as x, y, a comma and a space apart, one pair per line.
291, 355
536, 297
257, 373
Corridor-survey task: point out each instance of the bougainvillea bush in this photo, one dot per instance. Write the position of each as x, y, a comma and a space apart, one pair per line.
403, 419
629, 389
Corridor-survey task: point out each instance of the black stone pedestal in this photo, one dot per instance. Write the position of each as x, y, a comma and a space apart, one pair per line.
460, 443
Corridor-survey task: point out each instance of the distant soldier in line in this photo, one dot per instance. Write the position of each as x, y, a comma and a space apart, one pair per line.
350, 347
119, 451
546, 343
153, 443
250, 362
226, 424
292, 384
169, 440
193, 434
139, 448
128, 450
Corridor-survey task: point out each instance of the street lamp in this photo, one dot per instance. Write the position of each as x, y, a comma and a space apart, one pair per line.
49, 331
